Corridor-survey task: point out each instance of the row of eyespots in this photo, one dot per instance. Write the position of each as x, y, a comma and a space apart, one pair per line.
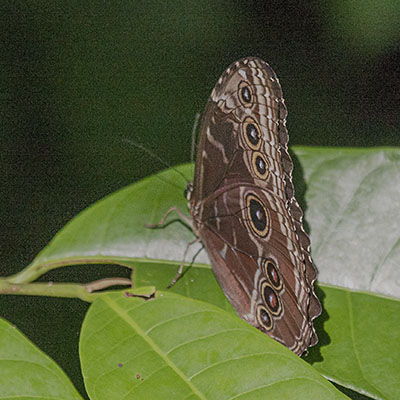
257, 213
272, 304
251, 132
258, 216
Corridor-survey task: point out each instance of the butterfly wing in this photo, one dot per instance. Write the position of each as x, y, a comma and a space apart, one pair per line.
244, 210
234, 131
259, 263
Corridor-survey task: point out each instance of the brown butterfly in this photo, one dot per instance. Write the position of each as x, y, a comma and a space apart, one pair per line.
243, 207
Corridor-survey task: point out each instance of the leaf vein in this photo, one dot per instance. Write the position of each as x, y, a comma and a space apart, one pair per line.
235, 359
179, 317
278, 382
206, 337
340, 213
153, 345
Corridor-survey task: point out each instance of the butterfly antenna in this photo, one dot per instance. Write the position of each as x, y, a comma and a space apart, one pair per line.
151, 154
194, 130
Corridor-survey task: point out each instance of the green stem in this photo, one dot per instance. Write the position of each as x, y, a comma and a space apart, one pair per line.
85, 292
34, 270
29, 273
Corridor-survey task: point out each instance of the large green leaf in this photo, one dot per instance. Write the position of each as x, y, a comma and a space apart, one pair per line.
172, 347
357, 331
27, 373
353, 212
359, 342
351, 205
351, 202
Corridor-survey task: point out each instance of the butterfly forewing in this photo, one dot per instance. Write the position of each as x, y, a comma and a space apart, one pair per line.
243, 207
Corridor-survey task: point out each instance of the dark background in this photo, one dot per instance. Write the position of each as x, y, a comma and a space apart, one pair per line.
79, 77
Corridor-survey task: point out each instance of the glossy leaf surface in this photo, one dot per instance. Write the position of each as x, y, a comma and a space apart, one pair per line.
175, 347
27, 373
351, 208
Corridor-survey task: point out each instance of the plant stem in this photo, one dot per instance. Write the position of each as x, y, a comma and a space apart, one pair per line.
85, 292
34, 270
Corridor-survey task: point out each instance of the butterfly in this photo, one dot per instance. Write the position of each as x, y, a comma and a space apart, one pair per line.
243, 207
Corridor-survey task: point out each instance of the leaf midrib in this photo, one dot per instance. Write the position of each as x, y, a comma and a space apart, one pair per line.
114, 306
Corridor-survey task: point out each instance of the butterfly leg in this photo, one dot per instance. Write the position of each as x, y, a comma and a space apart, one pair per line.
161, 223
179, 273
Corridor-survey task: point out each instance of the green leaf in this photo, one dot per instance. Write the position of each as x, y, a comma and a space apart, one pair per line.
350, 197
113, 229
175, 347
352, 210
357, 331
27, 373
351, 204
359, 342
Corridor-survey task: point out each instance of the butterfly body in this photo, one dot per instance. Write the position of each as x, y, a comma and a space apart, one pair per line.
243, 207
